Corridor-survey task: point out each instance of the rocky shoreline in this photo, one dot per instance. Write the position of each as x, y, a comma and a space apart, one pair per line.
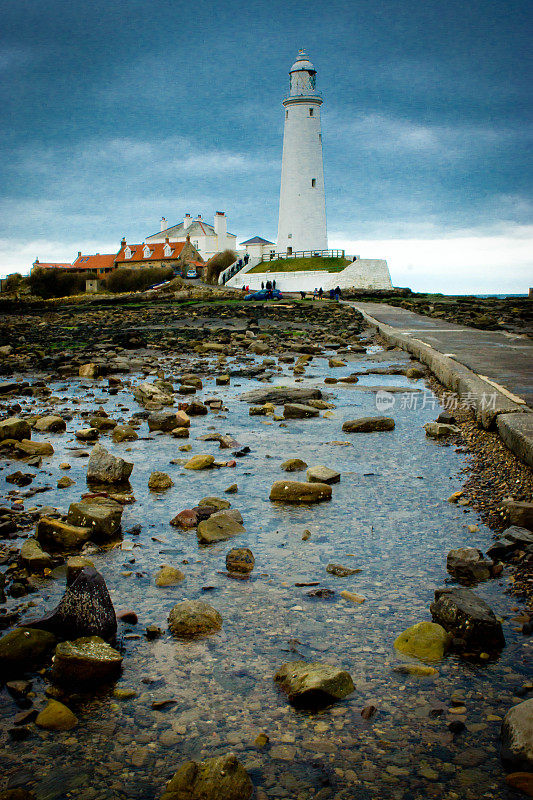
197, 557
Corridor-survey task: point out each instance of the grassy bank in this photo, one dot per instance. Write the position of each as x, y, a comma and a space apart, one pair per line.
301, 264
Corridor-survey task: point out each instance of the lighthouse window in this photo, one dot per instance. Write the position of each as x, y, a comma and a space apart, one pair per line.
313, 182
311, 112
286, 115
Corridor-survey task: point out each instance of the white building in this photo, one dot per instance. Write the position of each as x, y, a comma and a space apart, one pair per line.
208, 239
302, 200
257, 247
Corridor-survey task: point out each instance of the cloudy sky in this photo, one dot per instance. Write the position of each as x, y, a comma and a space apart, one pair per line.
118, 112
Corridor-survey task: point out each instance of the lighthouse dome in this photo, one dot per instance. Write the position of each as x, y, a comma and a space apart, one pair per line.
302, 62
302, 77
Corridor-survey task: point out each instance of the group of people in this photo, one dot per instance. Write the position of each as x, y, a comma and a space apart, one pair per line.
269, 285
334, 294
243, 262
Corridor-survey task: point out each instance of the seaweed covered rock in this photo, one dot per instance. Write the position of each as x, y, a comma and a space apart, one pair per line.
222, 778
309, 685
85, 660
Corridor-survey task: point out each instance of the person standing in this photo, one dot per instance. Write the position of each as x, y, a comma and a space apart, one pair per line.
320, 293
274, 283
262, 284
315, 294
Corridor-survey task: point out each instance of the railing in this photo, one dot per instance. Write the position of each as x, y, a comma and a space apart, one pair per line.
230, 271
303, 254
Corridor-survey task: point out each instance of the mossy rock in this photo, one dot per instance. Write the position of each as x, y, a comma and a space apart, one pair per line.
24, 648
426, 641
86, 660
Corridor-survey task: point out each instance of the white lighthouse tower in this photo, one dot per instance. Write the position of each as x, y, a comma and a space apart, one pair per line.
302, 200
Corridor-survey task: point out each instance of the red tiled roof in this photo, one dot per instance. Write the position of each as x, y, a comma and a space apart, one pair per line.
53, 265
97, 261
157, 252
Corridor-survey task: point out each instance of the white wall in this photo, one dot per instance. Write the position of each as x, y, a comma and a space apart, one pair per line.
365, 273
302, 207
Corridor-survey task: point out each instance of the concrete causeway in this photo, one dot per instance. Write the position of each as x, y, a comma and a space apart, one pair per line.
470, 361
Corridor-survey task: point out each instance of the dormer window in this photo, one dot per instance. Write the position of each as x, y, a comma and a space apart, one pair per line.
146, 251
127, 253
167, 251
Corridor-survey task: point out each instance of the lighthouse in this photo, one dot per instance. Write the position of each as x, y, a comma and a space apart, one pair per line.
302, 200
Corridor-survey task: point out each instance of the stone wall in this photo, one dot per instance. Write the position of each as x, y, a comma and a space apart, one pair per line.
365, 273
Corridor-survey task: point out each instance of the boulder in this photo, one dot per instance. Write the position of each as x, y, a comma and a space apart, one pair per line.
190, 379
84, 610
159, 482
220, 526
426, 641
75, 564
196, 409
321, 474
520, 512
200, 461
29, 448
65, 482
299, 411
90, 370
437, 430
104, 467
192, 618
185, 520
86, 434
468, 618
517, 735
296, 492
56, 717
163, 421
34, 557
15, 428
102, 423
180, 433
168, 576
368, 424
218, 503
19, 478
50, 424
240, 560
513, 538
468, 565
61, 536
124, 433
294, 465
183, 419
101, 515
85, 660
281, 394
309, 685
23, 649
222, 778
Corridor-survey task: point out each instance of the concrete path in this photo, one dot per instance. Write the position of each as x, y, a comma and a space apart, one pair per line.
494, 368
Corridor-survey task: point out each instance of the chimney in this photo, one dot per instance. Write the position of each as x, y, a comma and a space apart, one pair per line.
187, 221
79, 253
221, 228
123, 242
188, 238
164, 224
199, 216
167, 240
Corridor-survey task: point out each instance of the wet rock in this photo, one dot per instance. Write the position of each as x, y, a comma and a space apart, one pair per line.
280, 395
60, 536
192, 618
222, 778
164, 421
75, 564
322, 474
50, 424
84, 610
299, 411
468, 618
468, 565
106, 468
23, 649
196, 409
426, 641
437, 430
102, 423
180, 433
314, 684
56, 717
352, 597
86, 434
520, 513
512, 539
517, 735
34, 557
101, 515
19, 478
220, 526
17, 794
169, 576
232, 489
296, 492
185, 520
218, 503
340, 571
124, 433
90, 370
521, 781
240, 559
416, 670
368, 424
65, 482
294, 465
85, 660
159, 482
29, 448
200, 462
14, 428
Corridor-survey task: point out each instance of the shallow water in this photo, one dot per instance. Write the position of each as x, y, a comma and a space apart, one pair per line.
389, 516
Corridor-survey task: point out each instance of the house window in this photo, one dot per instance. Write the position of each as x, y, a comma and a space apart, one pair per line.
195, 244
311, 110
127, 253
319, 137
286, 115
313, 182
